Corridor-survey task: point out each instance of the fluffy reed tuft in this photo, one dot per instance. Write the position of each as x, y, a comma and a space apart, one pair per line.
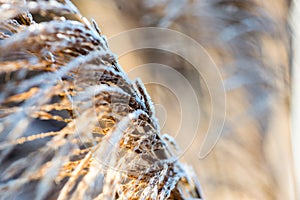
73, 126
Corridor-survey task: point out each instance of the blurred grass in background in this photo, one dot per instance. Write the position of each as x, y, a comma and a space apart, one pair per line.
250, 43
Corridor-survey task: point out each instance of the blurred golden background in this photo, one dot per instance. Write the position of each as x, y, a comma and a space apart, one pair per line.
250, 42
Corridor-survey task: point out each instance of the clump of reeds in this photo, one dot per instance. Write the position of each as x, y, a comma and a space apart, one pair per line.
73, 126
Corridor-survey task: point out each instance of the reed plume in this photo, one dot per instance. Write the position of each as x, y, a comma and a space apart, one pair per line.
73, 126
